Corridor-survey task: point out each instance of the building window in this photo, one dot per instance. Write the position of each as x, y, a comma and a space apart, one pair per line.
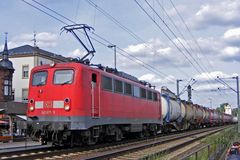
7, 87
24, 95
25, 70
13, 92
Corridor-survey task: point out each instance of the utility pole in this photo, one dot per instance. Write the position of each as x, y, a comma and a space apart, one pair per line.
178, 80
237, 80
210, 101
115, 55
236, 91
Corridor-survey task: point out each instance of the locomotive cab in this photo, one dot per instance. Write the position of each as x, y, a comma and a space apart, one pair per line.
51, 94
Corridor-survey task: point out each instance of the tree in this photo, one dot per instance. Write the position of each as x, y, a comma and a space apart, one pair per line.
221, 108
234, 111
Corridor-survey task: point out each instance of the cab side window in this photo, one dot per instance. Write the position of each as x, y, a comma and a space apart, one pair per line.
143, 93
94, 78
118, 86
107, 83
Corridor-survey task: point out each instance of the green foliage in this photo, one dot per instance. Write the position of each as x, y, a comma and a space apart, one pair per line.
224, 138
234, 111
221, 108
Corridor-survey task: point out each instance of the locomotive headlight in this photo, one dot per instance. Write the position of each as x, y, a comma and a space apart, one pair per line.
67, 107
67, 104
31, 102
31, 108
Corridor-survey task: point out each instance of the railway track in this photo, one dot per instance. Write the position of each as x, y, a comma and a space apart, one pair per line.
134, 149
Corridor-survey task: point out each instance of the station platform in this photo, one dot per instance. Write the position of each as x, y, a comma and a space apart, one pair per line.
14, 146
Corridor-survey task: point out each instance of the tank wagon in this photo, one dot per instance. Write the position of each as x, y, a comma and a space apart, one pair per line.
182, 115
75, 103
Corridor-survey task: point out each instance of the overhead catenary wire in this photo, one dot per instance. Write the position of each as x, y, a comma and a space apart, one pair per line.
202, 69
44, 12
114, 20
102, 39
199, 68
168, 37
187, 51
194, 39
196, 42
180, 32
130, 32
133, 58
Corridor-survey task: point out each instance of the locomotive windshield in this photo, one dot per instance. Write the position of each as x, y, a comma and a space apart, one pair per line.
39, 78
63, 77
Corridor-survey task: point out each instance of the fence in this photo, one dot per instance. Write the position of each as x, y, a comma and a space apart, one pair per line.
206, 152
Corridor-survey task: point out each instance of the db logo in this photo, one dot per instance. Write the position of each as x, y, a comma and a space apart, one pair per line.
48, 104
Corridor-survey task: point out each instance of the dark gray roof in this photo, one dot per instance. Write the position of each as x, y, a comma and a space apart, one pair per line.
5, 63
30, 50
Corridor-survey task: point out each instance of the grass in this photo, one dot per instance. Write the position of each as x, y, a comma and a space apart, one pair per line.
222, 139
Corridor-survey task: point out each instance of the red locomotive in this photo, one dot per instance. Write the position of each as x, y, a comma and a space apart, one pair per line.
69, 102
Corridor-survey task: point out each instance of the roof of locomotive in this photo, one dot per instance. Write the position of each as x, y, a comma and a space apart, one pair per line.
102, 71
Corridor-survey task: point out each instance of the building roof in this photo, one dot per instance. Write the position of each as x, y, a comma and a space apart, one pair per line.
28, 50
6, 64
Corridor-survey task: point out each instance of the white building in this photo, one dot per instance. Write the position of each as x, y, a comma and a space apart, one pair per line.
24, 58
228, 109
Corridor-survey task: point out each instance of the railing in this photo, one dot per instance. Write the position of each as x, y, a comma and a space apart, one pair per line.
208, 152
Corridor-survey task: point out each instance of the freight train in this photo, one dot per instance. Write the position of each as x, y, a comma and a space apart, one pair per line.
74, 103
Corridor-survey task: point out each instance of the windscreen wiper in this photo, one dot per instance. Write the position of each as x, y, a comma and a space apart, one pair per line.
40, 84
66, 82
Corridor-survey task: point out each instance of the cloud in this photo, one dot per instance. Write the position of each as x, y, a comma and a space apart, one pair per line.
172, 12
164, 54
209, 87
232, 33
44, 40
231, 51
213, 49
139, 48
232, 36
224, 13
212, 75
225, 48
231, 54
157, 81
77, 53
208, 82
157, 53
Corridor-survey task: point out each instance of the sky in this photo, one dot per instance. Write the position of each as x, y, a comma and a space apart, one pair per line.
158, 41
